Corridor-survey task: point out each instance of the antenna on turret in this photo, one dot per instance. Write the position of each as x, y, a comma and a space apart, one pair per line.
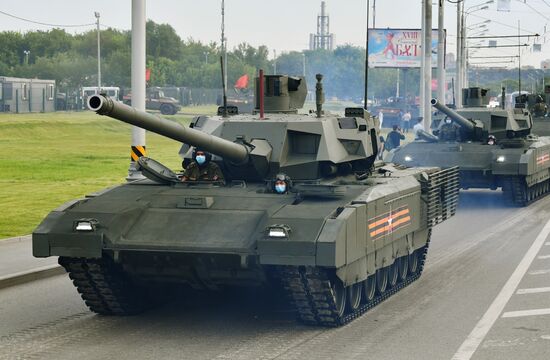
223, 89
319, 95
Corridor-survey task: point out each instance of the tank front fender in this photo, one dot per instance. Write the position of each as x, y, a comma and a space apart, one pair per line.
71, 245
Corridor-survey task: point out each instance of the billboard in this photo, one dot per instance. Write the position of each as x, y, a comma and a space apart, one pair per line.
398, 48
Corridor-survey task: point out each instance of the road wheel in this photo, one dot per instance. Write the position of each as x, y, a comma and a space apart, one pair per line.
369, 288
413, 263
403, 266
381, 280
339, 295
167, 109
354, 296
393, 274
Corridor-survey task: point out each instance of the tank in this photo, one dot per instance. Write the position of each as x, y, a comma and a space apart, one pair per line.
350, 232
493, 148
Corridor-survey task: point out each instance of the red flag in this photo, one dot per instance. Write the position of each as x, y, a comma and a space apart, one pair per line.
147, 74
242, 82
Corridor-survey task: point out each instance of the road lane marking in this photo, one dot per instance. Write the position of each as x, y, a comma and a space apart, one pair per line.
543, 257
533, 290
474, 339
539, 272
521, 313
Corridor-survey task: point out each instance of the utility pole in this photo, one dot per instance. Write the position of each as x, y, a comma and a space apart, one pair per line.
274, 62
427, 59
304, 64
224, 46
422, 94
374, 14
519, 60
98, 53
441, 53
458, 75
138, 85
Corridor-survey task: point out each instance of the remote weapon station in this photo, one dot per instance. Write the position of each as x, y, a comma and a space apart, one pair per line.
345, 234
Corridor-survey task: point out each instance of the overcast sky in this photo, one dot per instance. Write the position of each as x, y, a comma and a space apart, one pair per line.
282, 25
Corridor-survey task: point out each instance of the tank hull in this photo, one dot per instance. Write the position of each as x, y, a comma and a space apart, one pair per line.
482, 165
212, 237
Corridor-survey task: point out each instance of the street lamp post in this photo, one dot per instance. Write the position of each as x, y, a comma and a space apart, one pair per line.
304, 64
98, 53
441, 52
463, 73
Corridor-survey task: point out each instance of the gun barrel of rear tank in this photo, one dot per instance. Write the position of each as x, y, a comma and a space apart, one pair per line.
227, 149
453, 115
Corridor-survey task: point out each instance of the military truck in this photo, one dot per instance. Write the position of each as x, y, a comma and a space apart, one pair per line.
494, 148
348, 234
156, 100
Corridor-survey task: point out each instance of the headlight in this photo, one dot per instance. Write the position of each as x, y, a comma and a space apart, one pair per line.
85, 225
408, 158
501, 159
278, 231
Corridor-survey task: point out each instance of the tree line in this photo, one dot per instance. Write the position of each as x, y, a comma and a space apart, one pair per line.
71, 60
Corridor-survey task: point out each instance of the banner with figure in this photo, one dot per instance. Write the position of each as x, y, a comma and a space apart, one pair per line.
398, 48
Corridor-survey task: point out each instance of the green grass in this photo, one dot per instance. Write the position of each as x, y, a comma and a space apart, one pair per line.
48, 159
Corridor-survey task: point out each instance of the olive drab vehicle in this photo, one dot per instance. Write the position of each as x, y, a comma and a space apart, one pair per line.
347, 235
493, 148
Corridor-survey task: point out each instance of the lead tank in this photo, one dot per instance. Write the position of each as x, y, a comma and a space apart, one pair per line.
517, 162
350, 233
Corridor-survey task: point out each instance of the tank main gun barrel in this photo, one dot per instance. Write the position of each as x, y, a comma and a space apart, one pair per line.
461, 120
227, 149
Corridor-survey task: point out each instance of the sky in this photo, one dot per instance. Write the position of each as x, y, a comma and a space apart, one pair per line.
284, 25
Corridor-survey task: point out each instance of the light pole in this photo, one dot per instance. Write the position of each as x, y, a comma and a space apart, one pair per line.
274, 62
27, 53
304, 64
98, 53
224, 46
463, 73
138, 147
441, 52
206, 58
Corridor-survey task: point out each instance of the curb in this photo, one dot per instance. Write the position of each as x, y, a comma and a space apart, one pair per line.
30, 275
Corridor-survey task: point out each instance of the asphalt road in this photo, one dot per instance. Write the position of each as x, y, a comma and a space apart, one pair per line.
488, 268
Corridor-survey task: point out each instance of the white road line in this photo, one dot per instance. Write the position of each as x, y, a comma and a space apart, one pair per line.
543, 257
535, 312
539, 272
533, 290
472, 342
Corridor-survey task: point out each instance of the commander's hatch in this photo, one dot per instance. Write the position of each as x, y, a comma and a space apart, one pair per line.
155, 171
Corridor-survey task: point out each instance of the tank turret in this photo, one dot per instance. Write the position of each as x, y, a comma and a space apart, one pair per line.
472, 129
249, 148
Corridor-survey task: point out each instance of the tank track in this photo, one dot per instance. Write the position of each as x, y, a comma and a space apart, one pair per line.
523, 195
104, 287
308, 288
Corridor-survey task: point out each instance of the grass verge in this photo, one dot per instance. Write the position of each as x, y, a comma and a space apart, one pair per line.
48, 159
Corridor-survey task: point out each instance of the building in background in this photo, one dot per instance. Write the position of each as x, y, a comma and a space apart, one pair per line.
323, 39
26, 95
